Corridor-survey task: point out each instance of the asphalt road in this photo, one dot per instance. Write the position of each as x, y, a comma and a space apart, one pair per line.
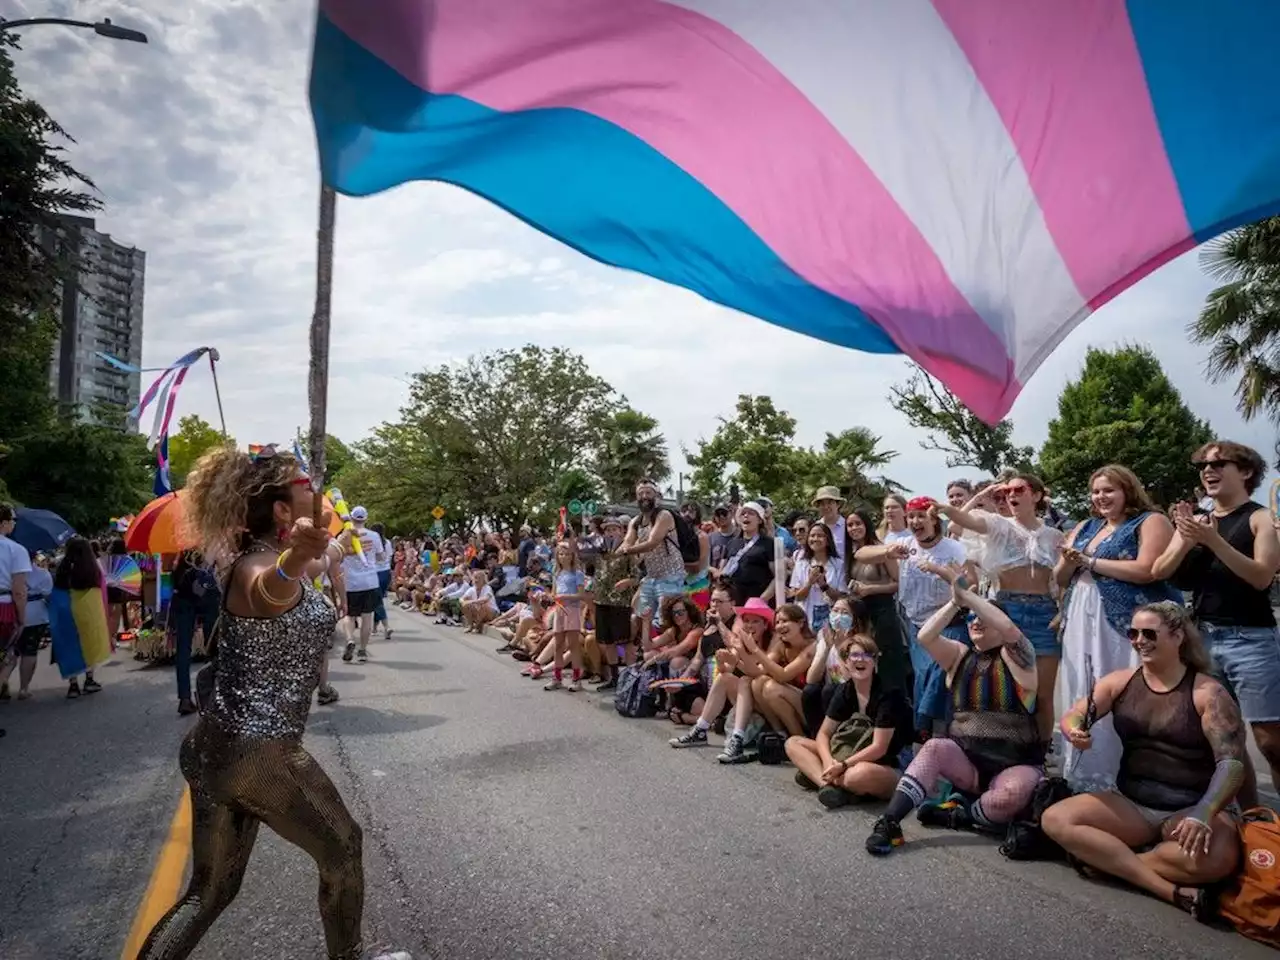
505, 822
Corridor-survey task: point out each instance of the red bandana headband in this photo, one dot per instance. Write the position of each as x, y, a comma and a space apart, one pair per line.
921, 504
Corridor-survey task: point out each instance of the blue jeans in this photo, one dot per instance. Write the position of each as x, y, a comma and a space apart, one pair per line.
1247, 660
932, 700
185, 613
654, 590
380, 611
1032, 613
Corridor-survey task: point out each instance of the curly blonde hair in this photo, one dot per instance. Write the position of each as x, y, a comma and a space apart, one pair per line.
1175, 616
231, 496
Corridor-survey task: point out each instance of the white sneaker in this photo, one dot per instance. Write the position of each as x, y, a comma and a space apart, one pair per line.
574, 686
554, 685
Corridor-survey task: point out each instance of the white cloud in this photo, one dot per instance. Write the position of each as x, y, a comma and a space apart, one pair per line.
202, 147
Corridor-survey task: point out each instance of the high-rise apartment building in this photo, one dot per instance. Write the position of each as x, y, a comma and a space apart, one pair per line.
100, 310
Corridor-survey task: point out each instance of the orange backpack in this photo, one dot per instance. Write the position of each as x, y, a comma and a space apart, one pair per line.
1252, 903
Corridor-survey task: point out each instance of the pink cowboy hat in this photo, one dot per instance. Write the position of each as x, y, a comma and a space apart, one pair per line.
755, 607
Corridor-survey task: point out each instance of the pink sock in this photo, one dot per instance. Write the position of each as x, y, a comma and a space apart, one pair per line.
558, 673
577, 674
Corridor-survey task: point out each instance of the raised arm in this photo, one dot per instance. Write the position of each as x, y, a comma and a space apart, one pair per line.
1167, 564
945, 651
965, 517
1076, 721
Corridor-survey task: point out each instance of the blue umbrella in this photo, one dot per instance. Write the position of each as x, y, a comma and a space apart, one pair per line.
40, 531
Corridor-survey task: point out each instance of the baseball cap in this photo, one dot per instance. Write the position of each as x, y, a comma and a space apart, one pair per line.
360, 513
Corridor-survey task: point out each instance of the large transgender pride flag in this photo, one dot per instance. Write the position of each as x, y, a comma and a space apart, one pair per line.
962, 181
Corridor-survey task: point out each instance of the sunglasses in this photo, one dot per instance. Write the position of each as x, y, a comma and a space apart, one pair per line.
859, 657
1146, 633
1203, 465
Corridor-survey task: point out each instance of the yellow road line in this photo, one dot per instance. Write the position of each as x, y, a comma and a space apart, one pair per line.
166, 878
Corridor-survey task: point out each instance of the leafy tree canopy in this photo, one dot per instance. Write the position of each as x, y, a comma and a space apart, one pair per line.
630, 448
195, 437
1122, 409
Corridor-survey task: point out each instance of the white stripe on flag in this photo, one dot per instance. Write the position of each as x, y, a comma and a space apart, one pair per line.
891, 78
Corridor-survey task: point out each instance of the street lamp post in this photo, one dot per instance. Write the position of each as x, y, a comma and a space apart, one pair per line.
105, 28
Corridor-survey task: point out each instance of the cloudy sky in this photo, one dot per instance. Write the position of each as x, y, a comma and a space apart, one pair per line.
202, 148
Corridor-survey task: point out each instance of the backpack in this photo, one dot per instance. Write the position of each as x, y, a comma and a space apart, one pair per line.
851, 736
633, 698
686, 538
1024, 840
1252, 902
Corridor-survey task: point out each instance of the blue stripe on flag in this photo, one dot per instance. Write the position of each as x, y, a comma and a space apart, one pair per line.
579, 178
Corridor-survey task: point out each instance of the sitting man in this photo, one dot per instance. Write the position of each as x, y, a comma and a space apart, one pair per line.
1182, 765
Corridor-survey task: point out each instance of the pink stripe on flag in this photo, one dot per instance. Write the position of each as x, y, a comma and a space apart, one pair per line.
1067, 80
709, 102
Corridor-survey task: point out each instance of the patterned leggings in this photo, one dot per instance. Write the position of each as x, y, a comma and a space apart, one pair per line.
235, 785
1006, 796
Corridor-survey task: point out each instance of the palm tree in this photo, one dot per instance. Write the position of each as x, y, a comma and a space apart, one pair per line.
630, 447
857, 456
1241, 318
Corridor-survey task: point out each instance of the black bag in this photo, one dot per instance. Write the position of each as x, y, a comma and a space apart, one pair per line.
772, 747
633, 698
1024, 840
686, 538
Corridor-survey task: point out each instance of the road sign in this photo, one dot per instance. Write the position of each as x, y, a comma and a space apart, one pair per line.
437, 528
589, 508
575, 507
438, 513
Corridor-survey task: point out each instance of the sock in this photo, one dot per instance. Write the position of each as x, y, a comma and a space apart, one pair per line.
558, 673
980, 817
702, 725
908, 795
577, 674
740, 732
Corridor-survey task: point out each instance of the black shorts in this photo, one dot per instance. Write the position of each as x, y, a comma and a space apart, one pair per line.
29, 639
361, 602
613, 624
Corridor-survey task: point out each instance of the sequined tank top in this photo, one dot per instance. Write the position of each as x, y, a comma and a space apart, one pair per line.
268, 669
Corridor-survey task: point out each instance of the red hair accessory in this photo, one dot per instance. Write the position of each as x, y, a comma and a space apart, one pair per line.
921, 504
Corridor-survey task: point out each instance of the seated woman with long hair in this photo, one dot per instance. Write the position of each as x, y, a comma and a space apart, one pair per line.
992, 754
1182, 763
734, 671
827, 669
681, 626
776, 692
872, 770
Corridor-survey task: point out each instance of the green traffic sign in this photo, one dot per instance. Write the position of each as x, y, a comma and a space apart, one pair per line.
575, 507
589, 508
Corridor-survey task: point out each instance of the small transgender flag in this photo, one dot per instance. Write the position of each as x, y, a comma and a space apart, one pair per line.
163, 484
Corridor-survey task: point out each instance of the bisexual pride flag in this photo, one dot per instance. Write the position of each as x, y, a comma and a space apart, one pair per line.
963, 181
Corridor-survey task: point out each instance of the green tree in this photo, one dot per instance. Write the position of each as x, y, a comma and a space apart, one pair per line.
952, 429
84, 472
630, 448
853, 461
36, 183
488, 438
338, 458
195, 438
1240, 320
1122, 409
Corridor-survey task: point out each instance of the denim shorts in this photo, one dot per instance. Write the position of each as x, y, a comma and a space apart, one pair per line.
1033, 613
1247, 661
653, 590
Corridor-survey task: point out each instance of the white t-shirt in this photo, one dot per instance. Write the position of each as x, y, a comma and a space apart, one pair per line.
922, 594
13, 561
361, 572
815, 597
484, 596
39, 583
383, 565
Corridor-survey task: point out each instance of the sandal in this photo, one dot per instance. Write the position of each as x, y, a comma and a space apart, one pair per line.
1195, 901
680, 718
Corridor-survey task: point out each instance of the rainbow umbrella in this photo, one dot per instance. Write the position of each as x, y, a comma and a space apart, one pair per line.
159, 527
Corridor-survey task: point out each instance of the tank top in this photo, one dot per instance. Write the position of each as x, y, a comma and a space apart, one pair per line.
993, 716
665, 560
1167, 761
1218, 595
268, 669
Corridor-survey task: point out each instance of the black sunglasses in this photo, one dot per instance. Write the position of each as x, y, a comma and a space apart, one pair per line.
1213, 464
1146, 633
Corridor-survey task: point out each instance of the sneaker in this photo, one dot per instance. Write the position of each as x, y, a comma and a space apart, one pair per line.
574, 686
4, 692
92, 686
326, 696
610, 684
349, 653
885, 835
950, 814
24, 694
186, 708
805, 782
553, 685
834, 797
73, 691
734, 750
362, 656
505, 648
693, 737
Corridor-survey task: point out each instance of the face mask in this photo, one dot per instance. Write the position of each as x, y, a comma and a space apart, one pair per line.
842, 622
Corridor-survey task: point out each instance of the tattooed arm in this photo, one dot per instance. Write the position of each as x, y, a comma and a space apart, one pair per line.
1223, 728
